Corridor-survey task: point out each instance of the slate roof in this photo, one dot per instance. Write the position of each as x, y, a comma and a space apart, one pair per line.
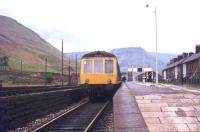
193, 57
183, 61
175, 64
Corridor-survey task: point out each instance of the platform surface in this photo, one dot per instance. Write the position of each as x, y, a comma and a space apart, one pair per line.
140, 108
127, 116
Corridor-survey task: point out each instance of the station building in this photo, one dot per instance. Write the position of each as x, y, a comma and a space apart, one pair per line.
140, 74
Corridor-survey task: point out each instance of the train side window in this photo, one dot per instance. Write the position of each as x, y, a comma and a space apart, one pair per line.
98, 66
87, 66
109, 66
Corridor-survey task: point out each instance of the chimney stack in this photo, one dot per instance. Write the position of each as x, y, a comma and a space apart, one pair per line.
185, 55
175, 60
172, 60
197, 47
179, 57
191, 53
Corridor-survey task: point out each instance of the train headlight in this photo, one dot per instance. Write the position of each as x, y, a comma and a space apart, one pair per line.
87, 81
109, 81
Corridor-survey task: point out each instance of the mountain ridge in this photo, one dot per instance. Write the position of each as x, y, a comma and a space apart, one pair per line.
134, 57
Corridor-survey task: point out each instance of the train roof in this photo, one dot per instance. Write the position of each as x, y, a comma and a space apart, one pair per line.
98, 54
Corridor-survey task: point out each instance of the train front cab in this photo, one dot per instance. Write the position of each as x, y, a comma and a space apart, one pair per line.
99, 76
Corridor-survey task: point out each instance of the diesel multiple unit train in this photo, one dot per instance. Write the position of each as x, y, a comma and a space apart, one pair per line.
100, 74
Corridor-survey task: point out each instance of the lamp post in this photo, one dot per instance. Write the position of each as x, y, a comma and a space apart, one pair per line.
156, 41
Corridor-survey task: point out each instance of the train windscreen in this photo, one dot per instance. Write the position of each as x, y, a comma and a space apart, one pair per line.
98, 66
109, 66
87, 66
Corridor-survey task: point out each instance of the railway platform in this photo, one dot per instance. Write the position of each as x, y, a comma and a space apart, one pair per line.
141, 108
127, 116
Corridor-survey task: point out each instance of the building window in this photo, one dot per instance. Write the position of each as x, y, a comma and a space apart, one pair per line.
109, 66
98, 66
87, 66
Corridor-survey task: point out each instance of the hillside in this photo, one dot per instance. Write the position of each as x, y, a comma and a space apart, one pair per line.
20, 43
73, 54
136, 57
164, 57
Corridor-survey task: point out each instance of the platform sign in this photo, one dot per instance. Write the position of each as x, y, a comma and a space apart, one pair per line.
139, 70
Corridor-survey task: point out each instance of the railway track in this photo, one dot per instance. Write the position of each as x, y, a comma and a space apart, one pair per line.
106, 121
28, 90
79, 119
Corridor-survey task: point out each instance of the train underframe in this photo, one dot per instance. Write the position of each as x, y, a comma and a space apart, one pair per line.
101, 92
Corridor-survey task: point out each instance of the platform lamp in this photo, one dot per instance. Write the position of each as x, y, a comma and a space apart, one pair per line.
156, 41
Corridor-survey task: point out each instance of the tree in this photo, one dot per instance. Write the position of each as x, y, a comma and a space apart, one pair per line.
49, 78
4, 62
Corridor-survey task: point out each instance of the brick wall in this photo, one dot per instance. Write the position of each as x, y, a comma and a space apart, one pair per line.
18, 110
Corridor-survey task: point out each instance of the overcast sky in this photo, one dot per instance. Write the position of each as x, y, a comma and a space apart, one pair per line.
87, 25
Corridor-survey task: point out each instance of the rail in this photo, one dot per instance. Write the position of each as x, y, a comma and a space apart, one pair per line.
80, 118
28, 90
95, 118
70, 110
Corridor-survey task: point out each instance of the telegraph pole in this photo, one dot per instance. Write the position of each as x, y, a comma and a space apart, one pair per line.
62, 63
69, 76
21, 66
46, 66
76, 70
45, 70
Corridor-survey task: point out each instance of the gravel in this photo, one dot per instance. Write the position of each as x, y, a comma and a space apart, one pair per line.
39, 122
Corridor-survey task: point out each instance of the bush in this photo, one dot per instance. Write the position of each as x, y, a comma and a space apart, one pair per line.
49, 78
4, 62
12, 78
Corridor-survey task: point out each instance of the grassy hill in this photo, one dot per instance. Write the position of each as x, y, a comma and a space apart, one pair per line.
20, 43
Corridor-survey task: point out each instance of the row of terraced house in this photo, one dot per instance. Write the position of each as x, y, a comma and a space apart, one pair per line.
183, 69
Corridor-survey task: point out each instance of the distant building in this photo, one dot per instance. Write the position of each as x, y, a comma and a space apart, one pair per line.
140, 74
